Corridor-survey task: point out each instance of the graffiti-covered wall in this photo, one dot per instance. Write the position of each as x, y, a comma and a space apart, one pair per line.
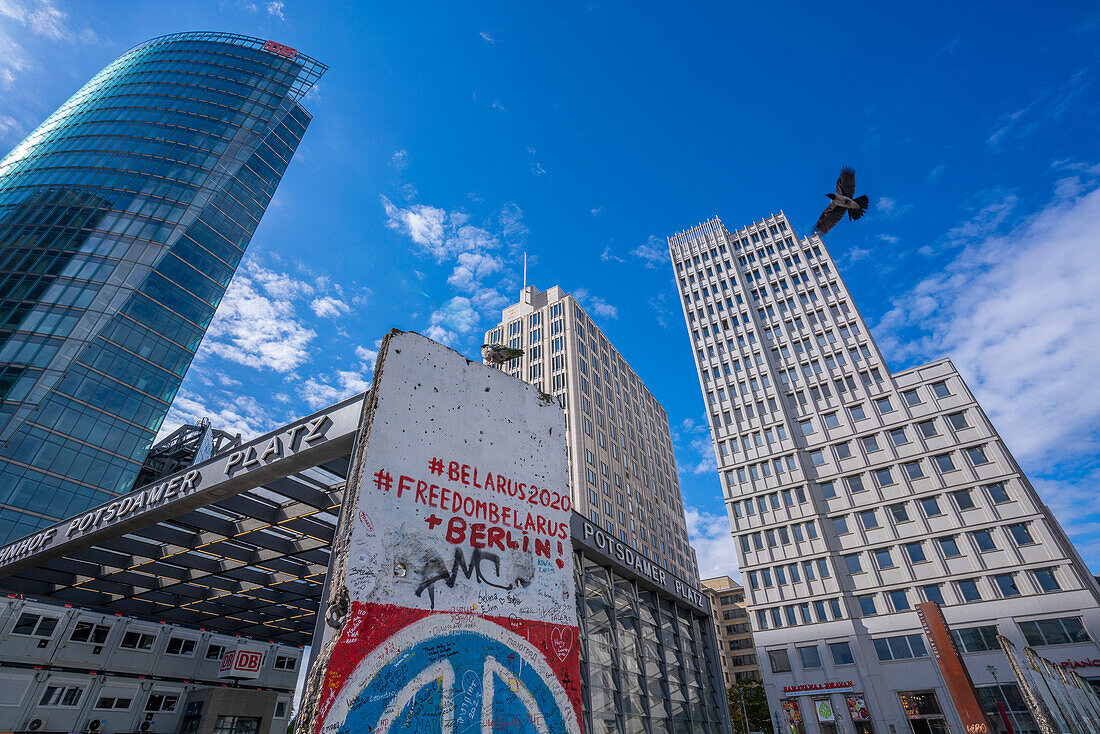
452, 598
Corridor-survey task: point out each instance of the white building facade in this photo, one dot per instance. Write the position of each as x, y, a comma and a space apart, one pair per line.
854, 494
68, 669
621, 464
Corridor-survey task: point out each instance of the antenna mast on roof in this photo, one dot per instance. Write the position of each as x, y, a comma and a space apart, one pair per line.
525, 271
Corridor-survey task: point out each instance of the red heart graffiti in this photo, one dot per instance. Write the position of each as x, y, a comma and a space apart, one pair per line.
562, 640
515, 622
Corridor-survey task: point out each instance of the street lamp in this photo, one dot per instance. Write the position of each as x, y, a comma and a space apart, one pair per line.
744, 713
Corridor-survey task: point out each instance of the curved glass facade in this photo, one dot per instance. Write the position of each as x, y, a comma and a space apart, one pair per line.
122, 219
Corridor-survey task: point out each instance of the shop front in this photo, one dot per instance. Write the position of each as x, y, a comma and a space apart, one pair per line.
834, 707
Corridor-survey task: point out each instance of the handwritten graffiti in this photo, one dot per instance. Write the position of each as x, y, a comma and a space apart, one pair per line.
436, 571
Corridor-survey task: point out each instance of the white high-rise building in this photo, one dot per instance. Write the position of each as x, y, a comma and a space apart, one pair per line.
854, 494
621, 465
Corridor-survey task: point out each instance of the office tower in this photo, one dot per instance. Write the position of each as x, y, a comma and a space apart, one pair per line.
855, 493
732, 629
621, 463
122, 219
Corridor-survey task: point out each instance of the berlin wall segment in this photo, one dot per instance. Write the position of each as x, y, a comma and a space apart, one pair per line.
451, 596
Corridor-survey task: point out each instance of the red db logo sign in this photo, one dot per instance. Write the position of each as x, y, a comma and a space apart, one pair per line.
281, 50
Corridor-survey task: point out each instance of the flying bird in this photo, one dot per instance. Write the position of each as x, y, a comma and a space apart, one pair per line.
498, 353
844, 200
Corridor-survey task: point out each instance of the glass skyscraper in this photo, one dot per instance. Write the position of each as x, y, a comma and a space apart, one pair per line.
122, 220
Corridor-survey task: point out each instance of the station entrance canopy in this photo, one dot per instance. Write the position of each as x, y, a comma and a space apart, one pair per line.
238, 544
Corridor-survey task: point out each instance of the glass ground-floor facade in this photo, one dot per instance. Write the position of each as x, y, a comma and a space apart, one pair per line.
649, 658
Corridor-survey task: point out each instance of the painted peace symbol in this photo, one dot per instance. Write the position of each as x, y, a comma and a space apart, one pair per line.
473, 679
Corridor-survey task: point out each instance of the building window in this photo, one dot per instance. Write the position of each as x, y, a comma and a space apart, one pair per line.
1006, 582
933, 592
977, 455
858, 413
828, 491
61, 696
1062, 631
984, 540
95, 634
1021, 534
285, 662
162, 702
214, 652
884, 406
831, 420
883, 558
1046, 579
868, 520
867, 604
237, 725
915, 552
113, 703
914, 470
902, 647
884, 477
842, 653
870, 443
927, 428
855, 484
137, 641
939, 389
958, 420
898, 513
944, 463
180, 646
949, 547
852, 563
998, 494
976, 639
280, 710
899, 600
35, 625
779, 660
806, 426
968, 589
843, 450
840, 525
930, 506
810, 657
898, 437
817, 458
963, 499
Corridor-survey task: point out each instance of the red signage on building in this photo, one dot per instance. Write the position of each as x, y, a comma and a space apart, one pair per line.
278, 48
815, 687
243, 663
1093, 663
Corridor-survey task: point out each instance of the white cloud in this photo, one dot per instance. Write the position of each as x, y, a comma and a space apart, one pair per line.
887, 207
596, 211
257, 324
659, 304
442, 234
595, 305
487, 37
498, 106
400, 159
328, 307
368, 356
892, 239
275, 9
318, 392
241, 414
653, 253
472, 267
710, 537
608, 255
44, 18
456, 316
1018, 315
9, 127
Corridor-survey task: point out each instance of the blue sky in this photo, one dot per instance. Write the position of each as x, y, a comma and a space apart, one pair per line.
450, 138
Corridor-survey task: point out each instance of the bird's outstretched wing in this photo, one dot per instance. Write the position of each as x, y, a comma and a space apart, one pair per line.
846, 183
829, 218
